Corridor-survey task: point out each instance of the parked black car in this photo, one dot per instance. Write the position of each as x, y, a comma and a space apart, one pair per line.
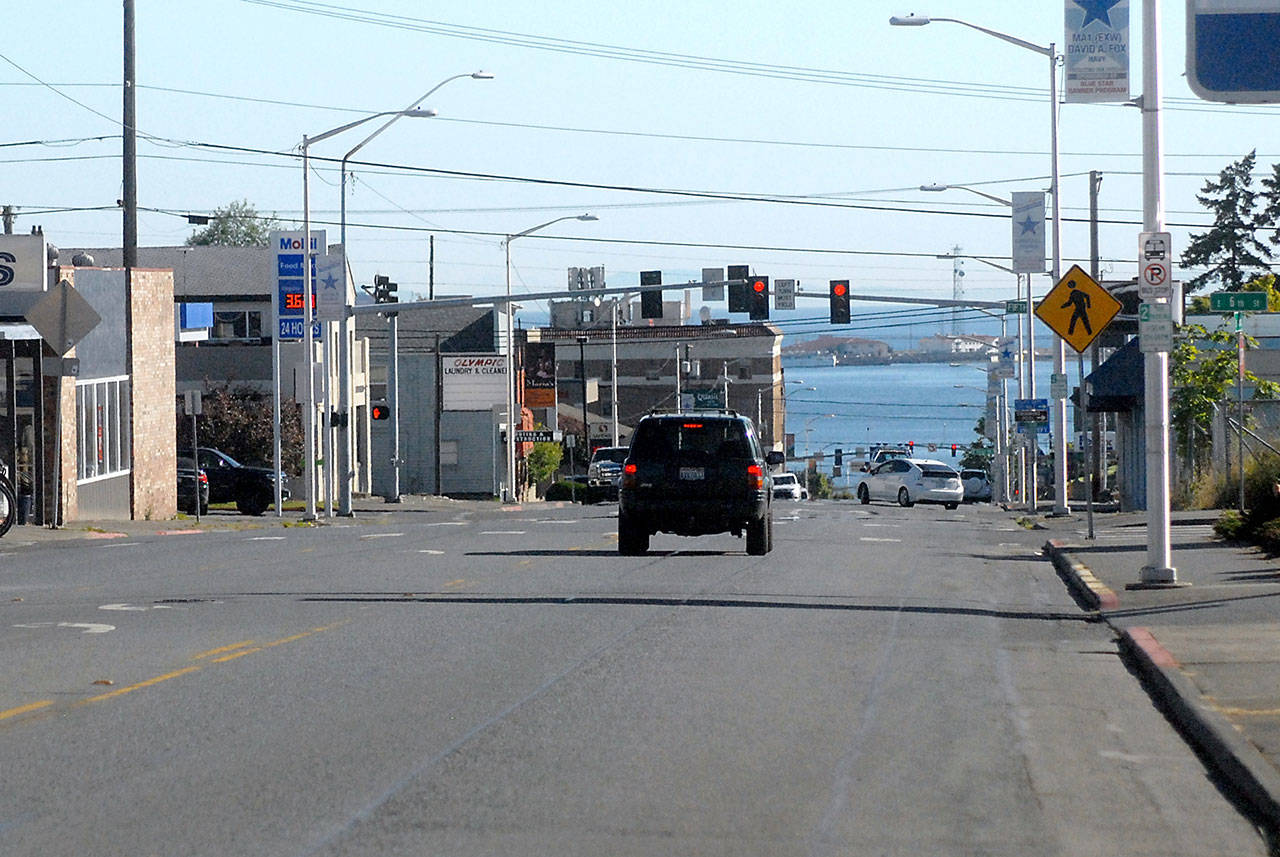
252, 489
193, 488
695, 473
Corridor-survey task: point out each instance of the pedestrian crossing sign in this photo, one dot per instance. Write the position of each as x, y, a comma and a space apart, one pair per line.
1077, 308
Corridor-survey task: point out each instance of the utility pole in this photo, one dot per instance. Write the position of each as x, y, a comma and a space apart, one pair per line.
7, 214
130, 177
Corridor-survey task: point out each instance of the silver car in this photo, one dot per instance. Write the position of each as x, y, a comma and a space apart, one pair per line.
912, 480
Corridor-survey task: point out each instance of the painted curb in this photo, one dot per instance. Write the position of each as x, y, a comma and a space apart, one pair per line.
1093, 591
1223, 746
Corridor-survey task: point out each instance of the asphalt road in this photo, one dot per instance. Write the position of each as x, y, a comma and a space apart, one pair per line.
469, 680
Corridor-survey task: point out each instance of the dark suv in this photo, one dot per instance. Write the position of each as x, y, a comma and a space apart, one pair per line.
252, 489
695, 473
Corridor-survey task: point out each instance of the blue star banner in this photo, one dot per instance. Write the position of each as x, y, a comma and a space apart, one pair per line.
1097, 50
1028, 232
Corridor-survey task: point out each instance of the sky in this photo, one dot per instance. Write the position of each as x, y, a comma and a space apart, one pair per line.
823, 114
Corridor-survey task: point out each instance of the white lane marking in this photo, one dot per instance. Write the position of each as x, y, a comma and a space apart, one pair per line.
86, 627
448, 524
502, 532
267, 539
432, 552
870, 539
381, 535
137, 607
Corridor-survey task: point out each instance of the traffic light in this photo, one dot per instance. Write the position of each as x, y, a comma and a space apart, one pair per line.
953, 450
380, 411
837, 469
651, 299
739, 298
384, 291
758, 296
839, 301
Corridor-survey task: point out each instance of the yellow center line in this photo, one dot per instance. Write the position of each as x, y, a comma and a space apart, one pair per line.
234, 655
148, 683
1248, 712
221, 649
24, 709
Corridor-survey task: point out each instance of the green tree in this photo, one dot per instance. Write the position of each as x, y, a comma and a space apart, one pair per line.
1202, 369
237, 224
543, 460
238, 420
1230, 251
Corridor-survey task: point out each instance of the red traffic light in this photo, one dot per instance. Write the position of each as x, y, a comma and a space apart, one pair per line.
839, 289
758, 286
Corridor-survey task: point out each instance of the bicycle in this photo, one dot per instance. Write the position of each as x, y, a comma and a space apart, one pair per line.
8, 502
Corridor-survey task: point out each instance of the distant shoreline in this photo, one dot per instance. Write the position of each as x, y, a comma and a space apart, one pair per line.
814, 360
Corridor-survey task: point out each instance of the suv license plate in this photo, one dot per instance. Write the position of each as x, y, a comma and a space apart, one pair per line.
692, 473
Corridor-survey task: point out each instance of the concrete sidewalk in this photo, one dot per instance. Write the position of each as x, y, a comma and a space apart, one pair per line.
1209, 651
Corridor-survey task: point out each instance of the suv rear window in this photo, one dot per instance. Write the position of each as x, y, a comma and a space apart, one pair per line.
682, 436
616, 454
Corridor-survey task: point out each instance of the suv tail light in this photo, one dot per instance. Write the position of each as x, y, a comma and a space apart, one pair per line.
755, 476
629, 476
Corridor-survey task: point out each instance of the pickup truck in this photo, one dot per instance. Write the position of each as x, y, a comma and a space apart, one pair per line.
883, 454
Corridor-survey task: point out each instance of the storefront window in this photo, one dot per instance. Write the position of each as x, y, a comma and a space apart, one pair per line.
102, 423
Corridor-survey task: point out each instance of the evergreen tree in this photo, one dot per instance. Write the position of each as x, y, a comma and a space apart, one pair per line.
235, 225
1229, 250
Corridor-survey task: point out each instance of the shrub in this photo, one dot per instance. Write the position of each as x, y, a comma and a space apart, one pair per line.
1229, 525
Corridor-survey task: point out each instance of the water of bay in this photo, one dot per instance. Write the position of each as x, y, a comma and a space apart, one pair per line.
935, 404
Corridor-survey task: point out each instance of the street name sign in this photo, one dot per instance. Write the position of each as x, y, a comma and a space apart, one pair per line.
1077, 308
1015, 307
1238, 302
535, 436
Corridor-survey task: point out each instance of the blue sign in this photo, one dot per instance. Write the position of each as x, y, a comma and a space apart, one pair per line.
292, 328
1231, 50
290, 280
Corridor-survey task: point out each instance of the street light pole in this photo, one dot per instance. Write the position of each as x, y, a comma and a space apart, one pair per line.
1159, 570
1059, 355
508, 488
344, 350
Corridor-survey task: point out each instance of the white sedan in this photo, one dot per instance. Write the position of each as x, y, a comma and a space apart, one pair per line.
912, 480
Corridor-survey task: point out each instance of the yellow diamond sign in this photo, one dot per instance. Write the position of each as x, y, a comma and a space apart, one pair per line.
1077, 308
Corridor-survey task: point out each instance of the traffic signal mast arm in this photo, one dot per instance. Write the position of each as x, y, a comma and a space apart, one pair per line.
499, 300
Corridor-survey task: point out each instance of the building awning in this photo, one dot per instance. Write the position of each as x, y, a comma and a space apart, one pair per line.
1118, 384
17, 330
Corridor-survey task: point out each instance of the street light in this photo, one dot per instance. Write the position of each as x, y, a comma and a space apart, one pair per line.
808, 424
508, 487
1026, 374
1059, 352
938, 188
344, 351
